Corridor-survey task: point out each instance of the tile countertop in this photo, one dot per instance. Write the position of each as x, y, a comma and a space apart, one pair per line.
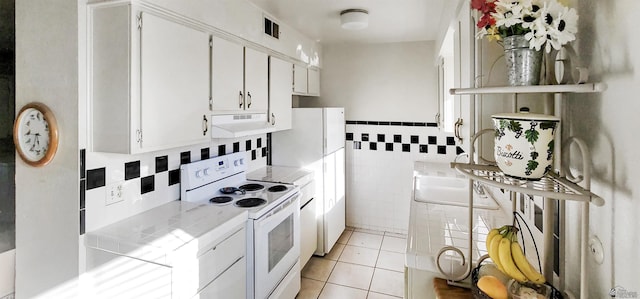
439, 218
281, 174
157, 235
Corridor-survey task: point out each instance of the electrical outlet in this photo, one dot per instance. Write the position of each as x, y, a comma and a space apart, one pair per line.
114, 193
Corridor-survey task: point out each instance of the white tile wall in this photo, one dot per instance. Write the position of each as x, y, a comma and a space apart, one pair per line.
99, 214
379, 182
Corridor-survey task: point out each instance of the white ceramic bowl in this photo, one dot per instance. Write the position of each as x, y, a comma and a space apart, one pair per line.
524, 143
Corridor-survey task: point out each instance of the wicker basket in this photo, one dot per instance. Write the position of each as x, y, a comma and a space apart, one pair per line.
479, 294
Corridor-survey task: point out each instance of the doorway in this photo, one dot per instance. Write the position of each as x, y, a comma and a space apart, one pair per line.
7, 151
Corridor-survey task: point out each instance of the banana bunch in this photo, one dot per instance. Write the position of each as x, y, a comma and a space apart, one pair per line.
506, 253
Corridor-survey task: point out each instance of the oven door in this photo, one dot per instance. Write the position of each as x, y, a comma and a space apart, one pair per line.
277, 245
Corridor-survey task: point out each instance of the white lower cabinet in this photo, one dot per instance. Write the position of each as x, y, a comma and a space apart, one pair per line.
199, 269
227, 286
149, 86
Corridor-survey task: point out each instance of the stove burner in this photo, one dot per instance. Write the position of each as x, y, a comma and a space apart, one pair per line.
221, 199
250, 202
251, 187
277, 188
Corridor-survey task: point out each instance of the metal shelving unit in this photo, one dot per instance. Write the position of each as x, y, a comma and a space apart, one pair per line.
551, 185
563, 88
560, 185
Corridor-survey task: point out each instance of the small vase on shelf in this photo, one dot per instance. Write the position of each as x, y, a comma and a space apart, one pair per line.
523, 63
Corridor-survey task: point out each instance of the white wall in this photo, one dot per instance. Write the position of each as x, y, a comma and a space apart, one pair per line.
47, 197
608, 43
393, 82
379, 84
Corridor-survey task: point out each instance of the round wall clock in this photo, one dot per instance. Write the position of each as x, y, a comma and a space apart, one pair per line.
35, 134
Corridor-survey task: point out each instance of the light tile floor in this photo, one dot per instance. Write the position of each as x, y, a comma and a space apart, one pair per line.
363, 264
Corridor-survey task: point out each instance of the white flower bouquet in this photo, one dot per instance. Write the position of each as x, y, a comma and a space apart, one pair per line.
544, 23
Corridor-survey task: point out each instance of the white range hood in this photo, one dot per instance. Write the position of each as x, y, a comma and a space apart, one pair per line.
239, 125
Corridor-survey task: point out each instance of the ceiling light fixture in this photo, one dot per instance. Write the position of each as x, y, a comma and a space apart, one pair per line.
354, 19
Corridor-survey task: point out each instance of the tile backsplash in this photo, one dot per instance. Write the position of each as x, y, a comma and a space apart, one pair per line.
379, 166
147, 180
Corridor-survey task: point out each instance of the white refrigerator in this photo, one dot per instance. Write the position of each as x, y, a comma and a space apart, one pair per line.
316, 143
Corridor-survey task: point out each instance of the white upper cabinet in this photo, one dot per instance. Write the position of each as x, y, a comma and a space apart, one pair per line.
227, 75
306, 81
239, 78
299, 79
150, 81
280, 77
313, 82
256, 76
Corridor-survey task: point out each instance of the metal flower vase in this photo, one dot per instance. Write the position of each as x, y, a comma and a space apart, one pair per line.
523, 63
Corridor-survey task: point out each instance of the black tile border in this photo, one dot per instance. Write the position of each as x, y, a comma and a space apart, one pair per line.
236, 147
96, 178
185, 157
83, 160
147, 184
83, 192
131, 170
162, 163
205, 153
222, 150
174, 177
82, 222
390, 123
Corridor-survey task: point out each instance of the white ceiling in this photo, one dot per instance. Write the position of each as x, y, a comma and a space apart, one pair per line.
389, 20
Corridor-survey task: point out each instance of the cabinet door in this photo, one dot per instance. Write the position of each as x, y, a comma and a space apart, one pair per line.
299, 79
280, 77
227, 76
334, 201
231, 284
174, 84
313, 78
256, 71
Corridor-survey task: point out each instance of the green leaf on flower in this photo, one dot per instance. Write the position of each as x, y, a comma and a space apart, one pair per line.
514, 126
503, 124
551, 145
531, 135
532, 164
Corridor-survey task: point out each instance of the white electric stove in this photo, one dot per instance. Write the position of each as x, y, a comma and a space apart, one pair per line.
273, 228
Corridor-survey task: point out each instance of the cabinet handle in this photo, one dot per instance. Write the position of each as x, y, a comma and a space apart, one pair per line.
273, 119
437, 119
205, 125
249, 103
240, 99
457, 126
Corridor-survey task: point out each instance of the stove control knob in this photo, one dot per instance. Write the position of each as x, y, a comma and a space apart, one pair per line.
198, 173
206, 171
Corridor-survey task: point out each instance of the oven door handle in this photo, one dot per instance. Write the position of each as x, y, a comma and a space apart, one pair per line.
264, 220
